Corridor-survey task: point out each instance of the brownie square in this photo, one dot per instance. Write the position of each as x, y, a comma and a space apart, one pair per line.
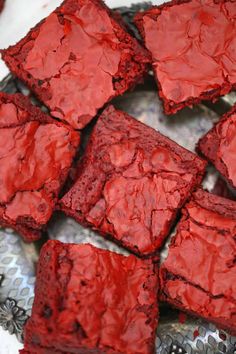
219, 146
78, 59
36, 153
89, 300
131, 182
193, 50
199, 273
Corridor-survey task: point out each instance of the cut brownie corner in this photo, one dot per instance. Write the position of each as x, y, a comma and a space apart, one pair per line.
36, 156
131, 172
221, 205
199, 271
106, 57
218, 146
185, 76
23, 104
100, 302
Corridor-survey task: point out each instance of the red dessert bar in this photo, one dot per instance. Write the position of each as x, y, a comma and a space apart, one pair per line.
193, 49
199, 273
89, 300
78, 59
219, 146
131, 182
36, 153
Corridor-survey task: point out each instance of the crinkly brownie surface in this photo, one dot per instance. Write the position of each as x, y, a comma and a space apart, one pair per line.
219, 146
89, 300
131, 182
199, 273
35, 156
193, 49
77, 59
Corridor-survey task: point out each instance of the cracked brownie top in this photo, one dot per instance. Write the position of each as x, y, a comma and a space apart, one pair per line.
219, 146
35, 156
77, 59
89, 300
200, 270
131, 182
192, 43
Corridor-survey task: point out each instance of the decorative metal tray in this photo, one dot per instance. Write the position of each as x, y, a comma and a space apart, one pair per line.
176, 332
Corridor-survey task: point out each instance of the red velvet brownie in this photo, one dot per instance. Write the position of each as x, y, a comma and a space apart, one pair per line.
219, 146
100, 302
131, 182
193, 49
199, 273
36, 153
78, 59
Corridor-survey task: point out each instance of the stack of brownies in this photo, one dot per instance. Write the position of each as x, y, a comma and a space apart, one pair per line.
131, 182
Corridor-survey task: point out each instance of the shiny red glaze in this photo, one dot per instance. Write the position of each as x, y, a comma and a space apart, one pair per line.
131, 182
199, 273
35, 156
77, 59
193, 49
219, 146
100, 302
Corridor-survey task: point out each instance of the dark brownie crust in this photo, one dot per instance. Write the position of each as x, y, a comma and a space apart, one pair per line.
219, 146
223, 189
35, 157
89, 300
75, 64
199, 273
192, 45
131, 183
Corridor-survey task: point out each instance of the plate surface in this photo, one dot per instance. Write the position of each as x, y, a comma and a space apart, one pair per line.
176, 333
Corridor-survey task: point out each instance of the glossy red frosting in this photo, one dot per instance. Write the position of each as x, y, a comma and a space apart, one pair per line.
219, 146
193, 49
200, 271
35, 156
75, 63
131, 182
100, 302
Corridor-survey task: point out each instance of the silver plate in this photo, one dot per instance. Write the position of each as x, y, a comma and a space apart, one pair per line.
17, 259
